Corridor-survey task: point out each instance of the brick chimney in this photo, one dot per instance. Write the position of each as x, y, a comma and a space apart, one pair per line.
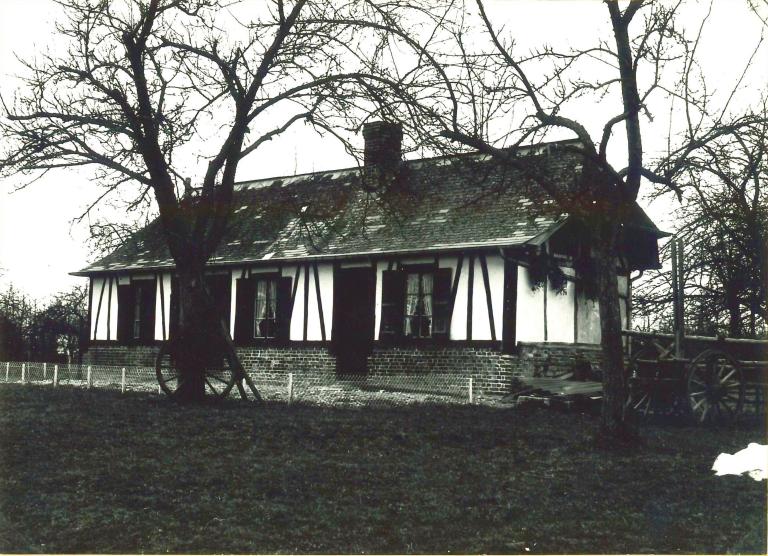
383, 145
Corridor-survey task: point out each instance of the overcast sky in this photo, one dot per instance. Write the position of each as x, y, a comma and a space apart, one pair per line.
40, 245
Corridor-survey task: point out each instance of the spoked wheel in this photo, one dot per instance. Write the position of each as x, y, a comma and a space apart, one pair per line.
643, 370
654, 384
219, 376
715, 387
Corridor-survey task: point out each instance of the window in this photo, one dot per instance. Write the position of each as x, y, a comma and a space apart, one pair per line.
415, 304
262, 309
418, 305
136, 312
265, 309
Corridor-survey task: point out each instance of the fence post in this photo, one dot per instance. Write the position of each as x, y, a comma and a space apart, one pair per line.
290, 388
89, 378
23, 373
55, 376
45, 371
7, 369
122, 383
471, 392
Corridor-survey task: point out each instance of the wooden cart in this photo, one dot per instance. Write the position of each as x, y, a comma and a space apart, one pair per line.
711, 379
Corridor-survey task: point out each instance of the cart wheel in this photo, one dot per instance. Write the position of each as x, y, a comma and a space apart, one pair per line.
643, 376
715, 386
219, 377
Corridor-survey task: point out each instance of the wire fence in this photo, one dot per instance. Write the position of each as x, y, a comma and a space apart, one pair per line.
308, 388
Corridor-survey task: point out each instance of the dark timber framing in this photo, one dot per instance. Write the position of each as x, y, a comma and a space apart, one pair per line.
319, 303
455, 286
90, 308
295, 287
488, 300
509, 329
98, 309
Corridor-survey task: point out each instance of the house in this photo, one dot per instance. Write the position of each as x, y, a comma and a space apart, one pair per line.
432, 272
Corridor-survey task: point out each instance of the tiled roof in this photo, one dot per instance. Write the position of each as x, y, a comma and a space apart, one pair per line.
436, 204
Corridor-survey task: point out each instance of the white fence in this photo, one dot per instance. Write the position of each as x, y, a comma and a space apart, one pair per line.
314, 388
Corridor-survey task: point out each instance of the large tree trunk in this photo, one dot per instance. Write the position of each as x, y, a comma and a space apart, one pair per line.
194, 342
616, 423
202, 336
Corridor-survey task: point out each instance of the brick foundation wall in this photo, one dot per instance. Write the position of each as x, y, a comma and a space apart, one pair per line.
134, 356
553, 359
277, 362
492, 372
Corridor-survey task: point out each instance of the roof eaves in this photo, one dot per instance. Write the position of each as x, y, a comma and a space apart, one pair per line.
445, 247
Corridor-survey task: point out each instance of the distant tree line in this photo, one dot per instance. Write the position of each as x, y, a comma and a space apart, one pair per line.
723, 223
53, 331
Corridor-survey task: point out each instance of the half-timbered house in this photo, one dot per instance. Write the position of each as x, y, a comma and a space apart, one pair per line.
434, 269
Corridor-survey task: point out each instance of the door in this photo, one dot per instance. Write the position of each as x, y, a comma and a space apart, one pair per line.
354, 291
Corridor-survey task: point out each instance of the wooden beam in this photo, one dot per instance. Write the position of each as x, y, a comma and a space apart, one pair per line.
488, 301
319, 301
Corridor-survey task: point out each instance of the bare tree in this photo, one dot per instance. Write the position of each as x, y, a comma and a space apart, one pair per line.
723, 222
486, 96
143, 87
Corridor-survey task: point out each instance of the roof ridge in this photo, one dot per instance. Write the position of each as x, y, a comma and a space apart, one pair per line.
241, 184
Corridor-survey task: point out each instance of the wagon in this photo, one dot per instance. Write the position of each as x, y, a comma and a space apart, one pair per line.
709, 378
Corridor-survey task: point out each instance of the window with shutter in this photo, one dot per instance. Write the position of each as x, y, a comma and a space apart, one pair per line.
262, 309
136, 312
419, 303
265, 308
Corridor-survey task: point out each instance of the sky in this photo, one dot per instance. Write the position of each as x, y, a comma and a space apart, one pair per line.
40, 241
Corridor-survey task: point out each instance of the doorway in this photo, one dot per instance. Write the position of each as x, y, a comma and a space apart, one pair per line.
354, 291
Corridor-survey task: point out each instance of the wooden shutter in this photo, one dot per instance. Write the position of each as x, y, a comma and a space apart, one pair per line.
283, 309
148, 295
124, 313
244, 311
509, 340
392, 304
219, 287
441, 319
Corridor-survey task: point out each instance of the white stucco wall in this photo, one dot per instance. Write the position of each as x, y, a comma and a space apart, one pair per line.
381, 266
560, 312
162, 305
530, 309
97, 284
297, 316
459, 318
105, 328
325, 280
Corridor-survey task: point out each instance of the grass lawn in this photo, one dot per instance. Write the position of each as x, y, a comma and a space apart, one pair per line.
96, 471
